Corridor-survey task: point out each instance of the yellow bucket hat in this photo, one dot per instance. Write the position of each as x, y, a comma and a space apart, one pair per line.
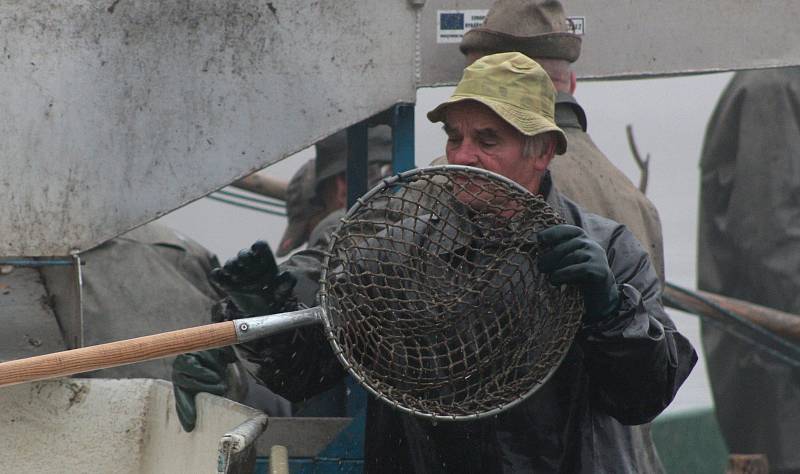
516, 88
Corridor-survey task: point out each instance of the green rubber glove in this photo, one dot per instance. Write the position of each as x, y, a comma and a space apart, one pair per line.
196, 372
570, 256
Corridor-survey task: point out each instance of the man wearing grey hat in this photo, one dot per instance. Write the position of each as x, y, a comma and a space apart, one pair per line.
540, 30
318, 190
331, 164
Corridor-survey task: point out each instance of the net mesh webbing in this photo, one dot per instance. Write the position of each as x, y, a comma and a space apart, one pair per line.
432, 295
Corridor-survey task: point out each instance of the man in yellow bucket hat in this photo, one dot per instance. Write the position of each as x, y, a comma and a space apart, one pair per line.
504, 103
625, 365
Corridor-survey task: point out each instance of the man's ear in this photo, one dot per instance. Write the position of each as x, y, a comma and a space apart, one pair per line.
341, 190
573, 82
473, 56
542, 161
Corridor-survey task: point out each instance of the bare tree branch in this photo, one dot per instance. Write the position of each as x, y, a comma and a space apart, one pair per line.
644, 165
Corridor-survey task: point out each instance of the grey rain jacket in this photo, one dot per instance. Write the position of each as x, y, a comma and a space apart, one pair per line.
585, 175
149, 280
621, 371
749, 248
146, 281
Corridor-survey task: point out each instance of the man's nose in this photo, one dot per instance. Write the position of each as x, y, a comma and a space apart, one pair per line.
465, 155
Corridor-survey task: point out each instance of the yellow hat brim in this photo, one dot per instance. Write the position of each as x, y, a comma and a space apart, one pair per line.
525, 121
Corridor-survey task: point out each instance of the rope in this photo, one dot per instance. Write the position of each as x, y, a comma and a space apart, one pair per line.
245, 197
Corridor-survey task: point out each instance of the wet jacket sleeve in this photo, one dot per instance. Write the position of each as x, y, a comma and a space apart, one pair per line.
636, 359
297, 364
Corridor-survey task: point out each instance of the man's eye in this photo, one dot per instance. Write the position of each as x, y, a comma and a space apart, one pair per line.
487, 143
453, 139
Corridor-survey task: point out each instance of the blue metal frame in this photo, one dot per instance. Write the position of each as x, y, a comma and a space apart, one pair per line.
36, 263
402, 137
356, 162
402, 123
345, 454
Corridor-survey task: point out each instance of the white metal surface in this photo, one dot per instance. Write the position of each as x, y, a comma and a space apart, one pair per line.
65, 287
643, 38
29, 325
105, 425
117, 112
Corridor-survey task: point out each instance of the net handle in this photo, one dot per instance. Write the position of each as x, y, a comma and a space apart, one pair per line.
156, 346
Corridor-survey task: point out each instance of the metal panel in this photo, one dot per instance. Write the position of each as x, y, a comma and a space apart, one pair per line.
29, 323
638, 38
65, 286
304, 437
117, 112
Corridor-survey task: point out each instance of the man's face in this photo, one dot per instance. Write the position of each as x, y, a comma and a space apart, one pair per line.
478, 137
473, 56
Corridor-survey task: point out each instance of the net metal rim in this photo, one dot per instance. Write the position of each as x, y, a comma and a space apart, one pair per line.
339, 351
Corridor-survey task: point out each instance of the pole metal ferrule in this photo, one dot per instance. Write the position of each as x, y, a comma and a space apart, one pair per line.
249, 329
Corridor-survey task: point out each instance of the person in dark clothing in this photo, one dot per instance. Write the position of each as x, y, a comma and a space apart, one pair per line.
748, 249
625, 365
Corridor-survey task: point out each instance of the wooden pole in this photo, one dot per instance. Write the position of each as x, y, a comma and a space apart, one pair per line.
265, 185
747, 464
62, 364
786, 325
278, 460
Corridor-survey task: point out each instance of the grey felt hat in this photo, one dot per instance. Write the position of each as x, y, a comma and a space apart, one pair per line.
535, 28
332, 151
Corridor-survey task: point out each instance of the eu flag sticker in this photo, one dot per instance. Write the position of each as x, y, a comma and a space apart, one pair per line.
453, 24
451, 21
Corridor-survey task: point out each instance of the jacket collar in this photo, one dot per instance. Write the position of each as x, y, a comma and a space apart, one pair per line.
554, 199
569, 114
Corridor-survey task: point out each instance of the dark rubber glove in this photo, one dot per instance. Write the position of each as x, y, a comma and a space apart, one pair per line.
568, 255
196, 372
252, 281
